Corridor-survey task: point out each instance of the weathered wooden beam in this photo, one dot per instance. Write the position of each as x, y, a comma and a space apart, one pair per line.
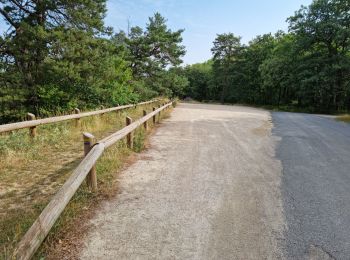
154, 117
89, 142
110, 140
50, 120
77, 121
32, 130
41, 227
129, 136
145, 124
102, 108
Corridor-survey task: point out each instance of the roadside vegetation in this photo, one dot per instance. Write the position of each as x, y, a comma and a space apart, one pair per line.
345, 118
33, 170
305, 69
58, 55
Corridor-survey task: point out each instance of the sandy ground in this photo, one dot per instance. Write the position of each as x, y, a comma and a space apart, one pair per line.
208, 188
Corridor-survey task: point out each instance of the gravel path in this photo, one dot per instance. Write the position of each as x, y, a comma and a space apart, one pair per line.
208, 188
222, 182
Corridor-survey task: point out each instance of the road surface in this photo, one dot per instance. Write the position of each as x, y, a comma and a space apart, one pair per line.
315, 154
223, 182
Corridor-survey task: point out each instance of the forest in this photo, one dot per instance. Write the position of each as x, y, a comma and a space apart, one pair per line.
305, 69
56, 55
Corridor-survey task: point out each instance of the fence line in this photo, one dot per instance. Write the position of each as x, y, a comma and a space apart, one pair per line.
37, 122
42, 225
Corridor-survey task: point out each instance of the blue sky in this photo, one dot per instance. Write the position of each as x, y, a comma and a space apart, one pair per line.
203, 19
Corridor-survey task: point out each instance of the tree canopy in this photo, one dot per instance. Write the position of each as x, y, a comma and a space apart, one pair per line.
306, 68
56, 55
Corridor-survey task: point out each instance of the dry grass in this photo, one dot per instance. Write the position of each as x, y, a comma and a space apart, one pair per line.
33, 170
345, 118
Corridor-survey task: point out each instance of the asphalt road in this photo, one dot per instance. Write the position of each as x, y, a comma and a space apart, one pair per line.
231, 182
315, 154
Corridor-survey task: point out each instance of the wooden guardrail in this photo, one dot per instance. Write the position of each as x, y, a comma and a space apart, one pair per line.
33, 122
42, 225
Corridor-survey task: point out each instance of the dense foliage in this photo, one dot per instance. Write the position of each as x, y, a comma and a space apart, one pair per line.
56, 55
306, 68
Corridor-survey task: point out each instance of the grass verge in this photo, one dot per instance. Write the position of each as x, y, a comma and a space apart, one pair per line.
344, 118
33, 170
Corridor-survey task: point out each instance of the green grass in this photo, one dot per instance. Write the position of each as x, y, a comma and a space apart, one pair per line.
139, 140
33, 170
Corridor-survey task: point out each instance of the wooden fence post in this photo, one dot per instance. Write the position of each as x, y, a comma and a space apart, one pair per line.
159, 114
145, 124
102, 108
129, 137
91, 179
77, 122
32, 130
154, 117
117, 112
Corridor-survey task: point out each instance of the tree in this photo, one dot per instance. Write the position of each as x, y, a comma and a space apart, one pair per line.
35, 29
32, 29
172, 83
323, 35
279, 72
258, 50
200, 81
165, 47
154, 49
226, 50
57, 54
151, 53
307, 68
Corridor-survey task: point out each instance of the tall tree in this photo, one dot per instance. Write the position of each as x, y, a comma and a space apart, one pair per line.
323, 34
200, 81
279, 72
150, 53
226, 50
34, 26
258, 50
154, 49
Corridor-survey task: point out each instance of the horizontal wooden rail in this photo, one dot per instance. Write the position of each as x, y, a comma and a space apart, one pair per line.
110, 140
42, 225
50, 120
